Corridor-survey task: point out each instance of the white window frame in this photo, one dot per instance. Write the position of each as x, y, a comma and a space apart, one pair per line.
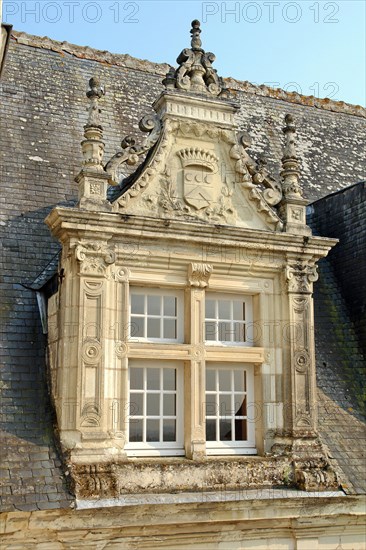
234, 447
146, 291
169, 448
248, 321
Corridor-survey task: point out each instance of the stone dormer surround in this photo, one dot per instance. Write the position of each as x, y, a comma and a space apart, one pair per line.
199, 215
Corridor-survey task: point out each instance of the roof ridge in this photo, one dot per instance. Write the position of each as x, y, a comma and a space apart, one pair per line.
125, 60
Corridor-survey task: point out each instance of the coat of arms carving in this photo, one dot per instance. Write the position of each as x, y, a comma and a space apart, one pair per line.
199, 168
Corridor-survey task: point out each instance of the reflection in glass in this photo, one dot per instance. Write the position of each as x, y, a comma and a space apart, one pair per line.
170, 330
136, 378
210, 330
211, 407
152, 430
210, 309
224, 380
225, 405
238, 380
169, 404
137, 327
137, 303
240, 406
136, 404
241, 430
225, 430
238, 310
169, 379
210, 380
153, 379
210, 430
224, 309
153, 305
135, 430
239, 332
153, 327
170, 306
153, 404
225, 332
169, 430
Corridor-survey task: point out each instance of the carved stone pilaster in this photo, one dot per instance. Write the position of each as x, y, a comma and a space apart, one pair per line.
94, 258
300, 277
199, 274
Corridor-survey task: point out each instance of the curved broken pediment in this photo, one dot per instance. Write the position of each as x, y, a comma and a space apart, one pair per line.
199, 171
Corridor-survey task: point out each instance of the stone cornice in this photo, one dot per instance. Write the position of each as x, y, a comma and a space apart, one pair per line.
125, 60
104, 226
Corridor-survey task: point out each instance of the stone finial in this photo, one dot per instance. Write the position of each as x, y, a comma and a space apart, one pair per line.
196, 42
95, 93
93, 146
195, 72
92, 178
290, 162
293, 205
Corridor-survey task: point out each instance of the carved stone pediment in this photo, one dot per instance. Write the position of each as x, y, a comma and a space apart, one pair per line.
199, 171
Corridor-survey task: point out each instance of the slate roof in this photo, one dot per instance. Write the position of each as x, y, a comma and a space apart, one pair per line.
43, 114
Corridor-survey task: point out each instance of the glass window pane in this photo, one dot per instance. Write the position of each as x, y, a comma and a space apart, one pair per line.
211, 330
152, 430
153, 379
240, 406
225, 430
211, 430
241, 430
169, 430
153, 328
239, 332
169, 405
238, 310
211, 407
136, 378
226, 409
137, 327
136, 404
170, 329
170, 306
225, 380
153, 404
224, 309
210, 380
210, 309
137, 303
225, 332
136, 429
153, 305
239, 380
169, 379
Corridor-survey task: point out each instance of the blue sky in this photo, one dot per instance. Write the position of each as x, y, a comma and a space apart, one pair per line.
313, 47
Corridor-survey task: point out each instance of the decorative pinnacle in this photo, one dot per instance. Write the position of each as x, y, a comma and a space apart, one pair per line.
195, 72
290, 162
195, 31
95, 93
289, 130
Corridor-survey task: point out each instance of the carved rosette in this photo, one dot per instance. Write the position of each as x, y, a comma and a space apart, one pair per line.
199, 274
300, 277
94, 258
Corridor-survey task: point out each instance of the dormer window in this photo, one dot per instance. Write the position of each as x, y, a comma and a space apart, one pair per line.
156, 315
228, 319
